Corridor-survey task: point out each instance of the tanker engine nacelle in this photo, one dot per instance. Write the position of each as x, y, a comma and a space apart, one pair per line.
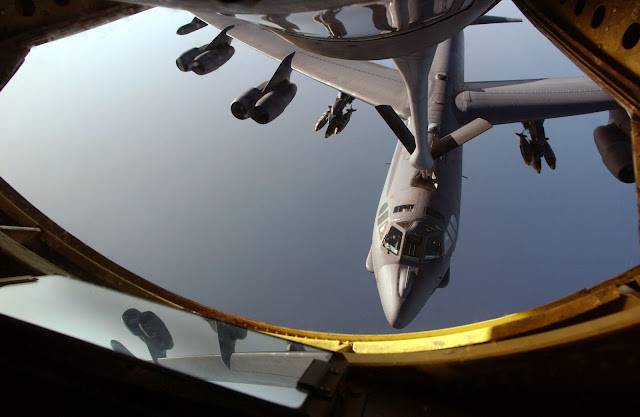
207, 58
269, 99
614, 144
273, 103
263, 106
212, 59
246, 101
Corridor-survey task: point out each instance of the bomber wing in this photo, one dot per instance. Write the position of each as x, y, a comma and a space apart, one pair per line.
498, 102
483, 103
502, 102
372, 83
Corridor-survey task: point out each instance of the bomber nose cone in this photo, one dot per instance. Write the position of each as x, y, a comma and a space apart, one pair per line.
403, 294
391, 301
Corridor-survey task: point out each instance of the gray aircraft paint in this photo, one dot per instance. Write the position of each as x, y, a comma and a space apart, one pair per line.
344, 29
445, 115
390, 268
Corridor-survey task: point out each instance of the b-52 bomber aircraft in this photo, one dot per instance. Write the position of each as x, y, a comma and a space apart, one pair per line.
426, 102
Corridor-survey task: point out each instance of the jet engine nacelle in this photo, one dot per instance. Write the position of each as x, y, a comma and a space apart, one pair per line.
268, 100
246, 101
273, 103
185, 60
615, 149
209, 57
212, 59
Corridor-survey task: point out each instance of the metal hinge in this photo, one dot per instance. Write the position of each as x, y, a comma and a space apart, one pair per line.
322, 378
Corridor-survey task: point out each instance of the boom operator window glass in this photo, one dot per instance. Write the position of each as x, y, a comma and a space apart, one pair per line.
392, 240
236, 358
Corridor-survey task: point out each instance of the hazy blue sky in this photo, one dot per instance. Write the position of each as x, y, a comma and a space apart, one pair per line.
147, 165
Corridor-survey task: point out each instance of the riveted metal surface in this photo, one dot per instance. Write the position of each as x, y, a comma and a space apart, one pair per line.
601, 37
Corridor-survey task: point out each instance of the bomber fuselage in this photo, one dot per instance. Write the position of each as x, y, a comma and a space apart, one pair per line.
415, 230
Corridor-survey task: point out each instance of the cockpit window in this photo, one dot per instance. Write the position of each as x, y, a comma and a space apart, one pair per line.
412, 247
392, 240
454, 223
404, 208
433, 213
430, 229
447, 242
466, 4
433, 248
